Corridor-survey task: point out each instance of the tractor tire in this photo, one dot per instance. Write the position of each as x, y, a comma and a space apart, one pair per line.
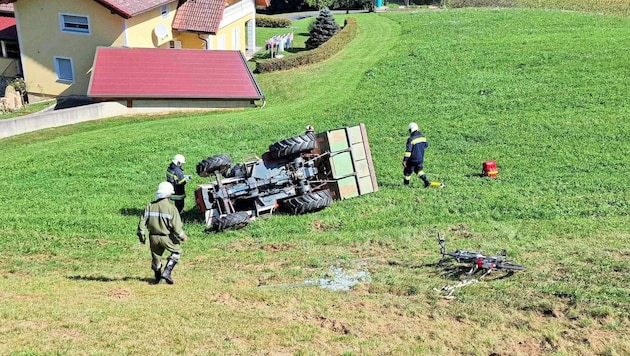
293, 146
309, 202
233, 221
208, 166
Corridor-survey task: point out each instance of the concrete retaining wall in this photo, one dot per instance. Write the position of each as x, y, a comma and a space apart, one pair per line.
55, 118
51, 118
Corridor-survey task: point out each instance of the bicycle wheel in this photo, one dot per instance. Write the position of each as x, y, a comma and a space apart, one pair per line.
509, 266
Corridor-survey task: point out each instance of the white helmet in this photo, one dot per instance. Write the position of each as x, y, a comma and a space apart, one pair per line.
413, 127
179, 159
164, 190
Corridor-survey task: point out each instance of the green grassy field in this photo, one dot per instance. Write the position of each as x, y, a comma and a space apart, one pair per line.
543, 93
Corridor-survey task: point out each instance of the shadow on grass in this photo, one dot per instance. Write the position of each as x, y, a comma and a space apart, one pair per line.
108, 279
131, 212
192, 215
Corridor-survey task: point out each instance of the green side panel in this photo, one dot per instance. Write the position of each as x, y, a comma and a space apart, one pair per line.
362, 168
347, 188
354, 134
365, 185
341, 165
337, 140
358, 151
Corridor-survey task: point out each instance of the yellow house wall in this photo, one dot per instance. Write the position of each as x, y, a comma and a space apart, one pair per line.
41, 40
141, 28
228, 32
191, 40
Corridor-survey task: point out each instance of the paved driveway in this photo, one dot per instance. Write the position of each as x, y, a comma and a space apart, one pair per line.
294, 16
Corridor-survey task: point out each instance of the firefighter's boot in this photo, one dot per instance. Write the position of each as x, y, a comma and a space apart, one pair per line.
166, 275
157, 273
427, 183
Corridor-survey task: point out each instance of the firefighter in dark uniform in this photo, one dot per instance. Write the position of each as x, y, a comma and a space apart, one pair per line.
175, 175
413, 160
166, 233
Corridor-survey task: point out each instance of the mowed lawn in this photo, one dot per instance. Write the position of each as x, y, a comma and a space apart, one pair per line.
543, 93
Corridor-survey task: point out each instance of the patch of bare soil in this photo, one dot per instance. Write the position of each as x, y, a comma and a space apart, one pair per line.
66, 334
120, 294
337, 326
461, 230
320, 226
277, 247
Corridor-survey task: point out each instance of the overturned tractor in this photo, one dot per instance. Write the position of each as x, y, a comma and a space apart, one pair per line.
298, 175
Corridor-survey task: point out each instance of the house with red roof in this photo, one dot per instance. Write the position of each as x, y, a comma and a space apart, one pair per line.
10, 66
166, 79
61, 39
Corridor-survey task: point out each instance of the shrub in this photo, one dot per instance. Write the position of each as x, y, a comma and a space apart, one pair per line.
321, 53
271, 21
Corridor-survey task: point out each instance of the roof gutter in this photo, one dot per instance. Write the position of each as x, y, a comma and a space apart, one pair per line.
205, 41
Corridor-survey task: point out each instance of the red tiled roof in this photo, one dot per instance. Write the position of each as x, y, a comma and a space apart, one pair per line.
199, 16
172, 74
8, 31
124, 8
130, 8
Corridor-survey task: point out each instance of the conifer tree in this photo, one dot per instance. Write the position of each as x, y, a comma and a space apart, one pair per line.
322, 29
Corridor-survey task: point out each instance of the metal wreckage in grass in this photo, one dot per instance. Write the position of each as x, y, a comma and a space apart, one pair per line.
297, 175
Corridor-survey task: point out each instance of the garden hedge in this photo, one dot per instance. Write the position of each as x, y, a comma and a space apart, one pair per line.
321, 53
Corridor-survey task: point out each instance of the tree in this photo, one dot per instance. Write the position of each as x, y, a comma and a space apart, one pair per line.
320, 4
322, 29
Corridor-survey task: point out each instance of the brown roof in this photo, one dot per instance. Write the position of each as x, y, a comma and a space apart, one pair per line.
199, 16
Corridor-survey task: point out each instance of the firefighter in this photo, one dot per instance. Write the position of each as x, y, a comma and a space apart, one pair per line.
309, 130
175, 175
413, 160
165, 228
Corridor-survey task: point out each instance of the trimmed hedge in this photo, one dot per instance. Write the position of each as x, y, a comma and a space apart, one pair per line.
334, 45
271, 21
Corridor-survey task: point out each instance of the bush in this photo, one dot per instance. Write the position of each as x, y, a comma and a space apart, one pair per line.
271, 21
321, 53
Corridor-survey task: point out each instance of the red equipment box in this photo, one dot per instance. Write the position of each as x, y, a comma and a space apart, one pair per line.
490, 169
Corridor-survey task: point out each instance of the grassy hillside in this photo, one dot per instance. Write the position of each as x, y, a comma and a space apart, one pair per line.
543, 93
606, 7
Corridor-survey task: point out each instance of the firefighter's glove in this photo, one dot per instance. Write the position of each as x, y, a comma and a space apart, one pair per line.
141, 238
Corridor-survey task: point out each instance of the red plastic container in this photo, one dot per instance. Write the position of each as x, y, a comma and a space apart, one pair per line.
490, 169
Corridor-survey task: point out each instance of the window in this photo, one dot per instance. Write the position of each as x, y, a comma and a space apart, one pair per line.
63, 68
164, 11
74, 23
221, 42
236, 38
